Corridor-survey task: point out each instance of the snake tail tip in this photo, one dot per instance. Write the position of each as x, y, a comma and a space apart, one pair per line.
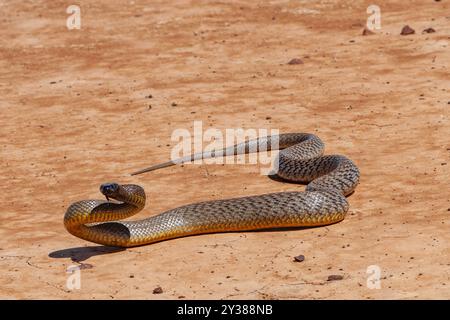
136, 172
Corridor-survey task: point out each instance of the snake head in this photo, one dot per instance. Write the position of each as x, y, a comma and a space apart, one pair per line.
109, 189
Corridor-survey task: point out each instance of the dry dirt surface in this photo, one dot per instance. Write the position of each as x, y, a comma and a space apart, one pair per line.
81, 107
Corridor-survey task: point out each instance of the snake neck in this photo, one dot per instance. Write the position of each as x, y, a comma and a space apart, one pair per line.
93, 220
132, 195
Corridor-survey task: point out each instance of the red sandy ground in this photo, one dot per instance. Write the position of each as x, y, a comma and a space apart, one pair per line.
75, 113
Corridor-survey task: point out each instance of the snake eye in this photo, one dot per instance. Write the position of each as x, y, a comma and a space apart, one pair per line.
109, 188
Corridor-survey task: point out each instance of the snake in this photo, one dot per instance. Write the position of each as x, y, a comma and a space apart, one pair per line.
329, 180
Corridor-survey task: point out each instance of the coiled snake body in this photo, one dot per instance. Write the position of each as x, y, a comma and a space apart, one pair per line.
331, 178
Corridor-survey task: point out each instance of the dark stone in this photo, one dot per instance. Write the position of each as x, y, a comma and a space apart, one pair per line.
295, 61
407, 30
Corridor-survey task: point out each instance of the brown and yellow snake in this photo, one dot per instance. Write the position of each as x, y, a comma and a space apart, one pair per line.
330, 179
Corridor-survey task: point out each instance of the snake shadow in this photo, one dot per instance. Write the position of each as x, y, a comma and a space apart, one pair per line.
277, 178
79, 254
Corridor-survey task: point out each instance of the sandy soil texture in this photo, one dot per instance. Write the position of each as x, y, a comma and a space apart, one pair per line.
76, 111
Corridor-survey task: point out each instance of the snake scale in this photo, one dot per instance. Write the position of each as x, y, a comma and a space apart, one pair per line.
330, 179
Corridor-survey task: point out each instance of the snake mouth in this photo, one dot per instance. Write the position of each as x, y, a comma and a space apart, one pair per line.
109, 189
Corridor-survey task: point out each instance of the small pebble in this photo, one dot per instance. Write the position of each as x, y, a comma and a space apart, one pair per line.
295, 61
157, 290
335, 277
407, 30
84, 266
299, 258
429, 30
367, 32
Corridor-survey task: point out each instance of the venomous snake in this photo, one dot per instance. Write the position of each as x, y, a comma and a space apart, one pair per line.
330, 179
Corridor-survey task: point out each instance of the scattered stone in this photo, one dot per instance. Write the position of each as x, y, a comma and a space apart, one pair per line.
149, 96
149, 107
429, 30
157, 290
52, 82
335, 277
268, 118
367, 32
131, 275
299, 258
85, 266
295, 61
174, 104
181, 297
407, 30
